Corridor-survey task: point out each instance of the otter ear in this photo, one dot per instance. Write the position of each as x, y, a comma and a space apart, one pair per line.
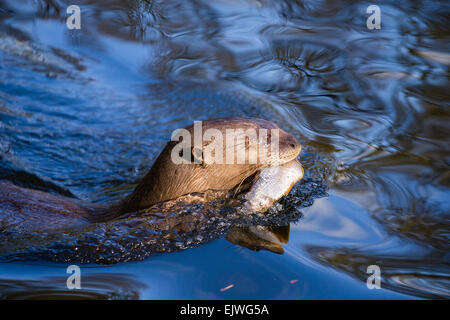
197, 154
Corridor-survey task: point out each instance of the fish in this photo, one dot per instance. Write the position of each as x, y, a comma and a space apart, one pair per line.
273, 183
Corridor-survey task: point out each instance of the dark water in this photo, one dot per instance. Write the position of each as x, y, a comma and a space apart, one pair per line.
87, 111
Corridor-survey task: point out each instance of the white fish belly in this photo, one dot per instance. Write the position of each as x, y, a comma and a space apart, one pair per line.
272, 184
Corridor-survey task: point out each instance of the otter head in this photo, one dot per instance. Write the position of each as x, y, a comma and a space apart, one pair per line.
216, 154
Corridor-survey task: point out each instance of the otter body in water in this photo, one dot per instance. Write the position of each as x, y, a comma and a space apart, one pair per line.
26, 211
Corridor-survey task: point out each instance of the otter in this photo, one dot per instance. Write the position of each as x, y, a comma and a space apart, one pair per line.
167, 180
195, 179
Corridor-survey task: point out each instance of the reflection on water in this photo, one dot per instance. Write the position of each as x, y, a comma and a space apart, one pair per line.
88, 111
260, 237
96, 286
428, 280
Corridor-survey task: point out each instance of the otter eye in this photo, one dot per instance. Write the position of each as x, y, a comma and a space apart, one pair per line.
292, 145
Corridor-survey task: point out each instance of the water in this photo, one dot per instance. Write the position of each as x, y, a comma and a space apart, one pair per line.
85, 112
